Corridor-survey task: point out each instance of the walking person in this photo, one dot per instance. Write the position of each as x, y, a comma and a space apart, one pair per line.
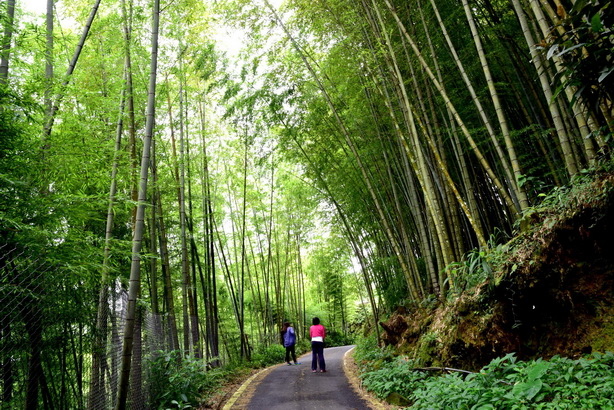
289, 342
317, 332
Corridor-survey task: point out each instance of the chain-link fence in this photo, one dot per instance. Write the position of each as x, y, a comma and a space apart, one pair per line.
56, 350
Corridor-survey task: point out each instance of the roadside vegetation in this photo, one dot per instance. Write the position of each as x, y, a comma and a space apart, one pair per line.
557, 383
178, 382
499, 358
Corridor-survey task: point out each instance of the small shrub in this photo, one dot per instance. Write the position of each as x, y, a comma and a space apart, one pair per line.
476, 269
369, 356
395, 377
177, 382
268, 355
302, 346
338, 339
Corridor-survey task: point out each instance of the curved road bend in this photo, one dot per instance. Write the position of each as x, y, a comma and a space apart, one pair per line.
297, 388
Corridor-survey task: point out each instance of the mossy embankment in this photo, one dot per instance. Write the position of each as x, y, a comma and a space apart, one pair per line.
548, 291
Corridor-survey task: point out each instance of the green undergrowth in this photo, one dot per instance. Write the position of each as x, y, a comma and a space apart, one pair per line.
268, 355
558, 383
177, 382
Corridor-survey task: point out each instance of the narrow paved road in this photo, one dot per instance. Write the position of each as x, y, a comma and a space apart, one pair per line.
296, 387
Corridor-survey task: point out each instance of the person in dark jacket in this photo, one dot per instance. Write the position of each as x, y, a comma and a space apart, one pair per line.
289, 337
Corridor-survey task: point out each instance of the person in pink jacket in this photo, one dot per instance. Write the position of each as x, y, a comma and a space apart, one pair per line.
317, 332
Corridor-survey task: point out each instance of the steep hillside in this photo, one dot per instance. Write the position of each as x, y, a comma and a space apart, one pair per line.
550, 290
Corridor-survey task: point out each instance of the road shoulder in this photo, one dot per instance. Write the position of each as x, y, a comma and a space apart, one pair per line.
351, 370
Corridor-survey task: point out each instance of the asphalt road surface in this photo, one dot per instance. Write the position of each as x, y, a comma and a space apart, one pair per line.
296, 387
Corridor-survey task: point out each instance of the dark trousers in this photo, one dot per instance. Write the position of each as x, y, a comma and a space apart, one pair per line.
290, 351
317, 357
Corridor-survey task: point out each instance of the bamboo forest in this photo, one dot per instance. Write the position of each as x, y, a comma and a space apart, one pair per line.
178, 178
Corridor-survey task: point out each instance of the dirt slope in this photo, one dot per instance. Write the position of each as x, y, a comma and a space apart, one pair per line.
551, 294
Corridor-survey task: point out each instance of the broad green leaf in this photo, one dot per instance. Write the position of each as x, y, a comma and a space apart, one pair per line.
596, 24
527, 390
538, 370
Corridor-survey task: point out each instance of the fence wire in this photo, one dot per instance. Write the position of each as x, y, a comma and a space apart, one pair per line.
55, 350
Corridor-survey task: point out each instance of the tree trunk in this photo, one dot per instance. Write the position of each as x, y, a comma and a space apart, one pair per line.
6, 365
580, 111
137, 396
173, 336
97, 389
8, 378
34, 327
135, 270
189, 286
48, 71
194, 258
210, 286
187, 345
241, 285
5, 46
487, 168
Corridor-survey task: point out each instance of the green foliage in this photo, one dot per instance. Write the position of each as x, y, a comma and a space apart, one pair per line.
394, 377
53, 191
369, 356
559, 383
583, 46
334, 338
474, 270
506, 383
559, 201
302, 346
268, 355
327, 268
382, 372
361, 320
177, 382
394, 290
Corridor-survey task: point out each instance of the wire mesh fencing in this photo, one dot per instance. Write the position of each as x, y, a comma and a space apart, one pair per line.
56, 349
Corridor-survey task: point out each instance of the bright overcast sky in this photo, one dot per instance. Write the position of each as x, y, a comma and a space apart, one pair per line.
33, 6
39, 6
228, 39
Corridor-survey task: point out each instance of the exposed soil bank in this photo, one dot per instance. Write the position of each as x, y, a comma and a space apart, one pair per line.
551, 295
